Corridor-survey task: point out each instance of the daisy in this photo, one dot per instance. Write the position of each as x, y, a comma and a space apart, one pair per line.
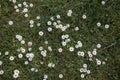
94, 52
38, 17
6, 53
17, 10
103, 2
70, 11
85, 65
20, 55
25, 10
31, 25
43, 53
11, 58
38, 24
10, 22
69, 14
45, 76
60, 75
31, 5
98, 24
19, 5
32, 69
71, 49
23, 50
15, 75
30, 44
15, 6
49, 48
22, 42
98, 62
49, 29
82, 75
88, 72
26, 62
63, 43
84, 16
40, 48
49, 23
60, 50
31, 22
58, 16
24, 3
46, 42
16, 71
29, 49
98, 45
41, 33
76, 28
26, 15
1, 72
107, 26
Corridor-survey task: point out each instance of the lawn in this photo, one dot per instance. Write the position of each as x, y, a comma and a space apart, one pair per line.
59, 39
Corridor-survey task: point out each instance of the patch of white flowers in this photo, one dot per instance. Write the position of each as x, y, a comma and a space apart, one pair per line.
55, 23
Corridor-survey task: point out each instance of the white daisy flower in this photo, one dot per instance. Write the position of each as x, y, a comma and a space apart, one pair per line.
6, 53
19, 5
16, 71
41, 33
81, 70
71, 49
11, 58
25, 10
98, 24
60, 75
31, 25
103, 2
85, 65
31, 22
58, 16
15, 75
30, 44
20, 55
38, 24
40, 48
26, 62
76, 28
107, 26
10, 22
45, 76
49, 48
84, 16
94, 52
38, 17
32, 69
49, 29
60, 50
98, 62
49, 23
88, 72
63, 43
31, 5
26, 15
24, 3
1, 72
82, 75
98, 45
43, 53
22, 42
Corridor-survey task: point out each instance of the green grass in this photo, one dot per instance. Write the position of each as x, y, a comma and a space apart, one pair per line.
67, 63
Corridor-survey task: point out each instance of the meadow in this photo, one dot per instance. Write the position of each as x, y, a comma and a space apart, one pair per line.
59, 39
